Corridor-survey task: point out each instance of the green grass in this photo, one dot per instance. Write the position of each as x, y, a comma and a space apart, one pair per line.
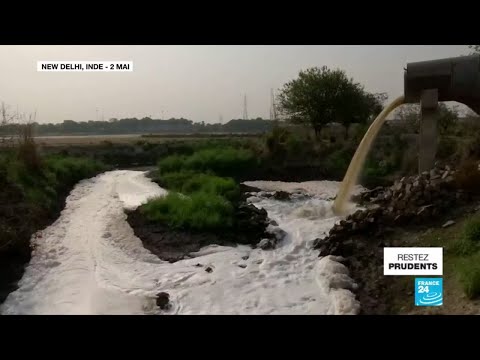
198, 211
57, 173
202, 188
469, 240
70, 170
222, 161
468, 270
188, 182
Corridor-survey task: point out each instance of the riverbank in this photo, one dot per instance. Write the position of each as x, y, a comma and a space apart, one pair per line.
30, 200
426, 210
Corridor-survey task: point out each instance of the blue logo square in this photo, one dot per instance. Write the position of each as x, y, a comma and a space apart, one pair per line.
428, 291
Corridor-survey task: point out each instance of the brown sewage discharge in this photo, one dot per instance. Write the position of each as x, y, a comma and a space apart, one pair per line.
356, 165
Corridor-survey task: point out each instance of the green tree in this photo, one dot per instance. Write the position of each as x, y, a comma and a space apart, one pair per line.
447, 117
409, 114
475, 49
320, 96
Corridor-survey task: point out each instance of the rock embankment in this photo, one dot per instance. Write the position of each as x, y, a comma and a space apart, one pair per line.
410, 203
410, 200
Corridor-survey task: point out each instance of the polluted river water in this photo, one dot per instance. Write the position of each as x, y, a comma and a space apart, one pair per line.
89, 261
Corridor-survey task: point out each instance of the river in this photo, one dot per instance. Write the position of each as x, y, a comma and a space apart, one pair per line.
90, 262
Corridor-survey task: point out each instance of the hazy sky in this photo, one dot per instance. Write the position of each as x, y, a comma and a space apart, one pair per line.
195, 82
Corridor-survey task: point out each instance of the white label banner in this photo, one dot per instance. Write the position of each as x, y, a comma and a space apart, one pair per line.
87, 66
413, 261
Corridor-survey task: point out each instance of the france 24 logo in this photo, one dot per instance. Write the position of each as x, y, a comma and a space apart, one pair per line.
428, 292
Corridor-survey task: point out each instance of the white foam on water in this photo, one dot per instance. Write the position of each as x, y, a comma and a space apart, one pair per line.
325, 189
90, 262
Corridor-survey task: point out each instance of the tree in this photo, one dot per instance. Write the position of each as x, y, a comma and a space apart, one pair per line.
447, 117
320, 96
6, 120
409, 114
475, 49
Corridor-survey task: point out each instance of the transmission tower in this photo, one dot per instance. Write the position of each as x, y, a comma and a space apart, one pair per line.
245, 113
273, 108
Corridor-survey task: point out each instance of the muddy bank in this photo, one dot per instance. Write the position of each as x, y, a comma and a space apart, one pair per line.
172, 245
21, 222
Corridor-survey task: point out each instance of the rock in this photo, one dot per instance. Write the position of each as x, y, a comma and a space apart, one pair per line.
281, 195
416, 184
277, 232
448, 168
266, 244
397, 186
163, 300
388, 194
425, 173
273, 222
358, 215
259, 261
337, 228
316, 242
401, 205
243, 266
448, 223
408, 188
106, 235
208, 269
245, 257
198, 265
423, 209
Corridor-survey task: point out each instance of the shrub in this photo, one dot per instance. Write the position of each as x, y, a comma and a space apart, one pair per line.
336, 164
175, 180
468, 271
199, 211
447, 147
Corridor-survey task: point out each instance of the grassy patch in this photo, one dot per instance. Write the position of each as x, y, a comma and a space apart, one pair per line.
188, 182
198, 211
202, 191
222, 161
469, 240
461, 269
468, 270
40, 187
